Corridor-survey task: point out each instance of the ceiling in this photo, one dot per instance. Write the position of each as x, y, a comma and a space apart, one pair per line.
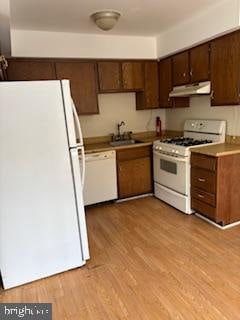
139, 17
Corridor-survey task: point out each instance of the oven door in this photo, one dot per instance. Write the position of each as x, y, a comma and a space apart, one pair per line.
171, 172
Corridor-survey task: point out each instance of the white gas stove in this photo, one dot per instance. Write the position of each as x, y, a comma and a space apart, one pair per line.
172, 160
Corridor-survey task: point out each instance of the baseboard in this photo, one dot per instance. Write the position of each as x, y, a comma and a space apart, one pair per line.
134, 198
231, 225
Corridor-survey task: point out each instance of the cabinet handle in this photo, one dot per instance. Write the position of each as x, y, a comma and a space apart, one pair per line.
201, 180
212, 95
184, 74
191, 72
200, 196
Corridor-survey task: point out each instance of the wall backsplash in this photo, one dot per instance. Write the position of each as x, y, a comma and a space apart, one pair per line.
200, 109
118, 107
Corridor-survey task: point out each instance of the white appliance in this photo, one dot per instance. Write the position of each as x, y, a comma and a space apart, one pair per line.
101, 177
171, 159
42, 219
191, 89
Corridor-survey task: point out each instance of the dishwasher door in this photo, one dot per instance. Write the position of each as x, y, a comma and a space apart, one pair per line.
101, 177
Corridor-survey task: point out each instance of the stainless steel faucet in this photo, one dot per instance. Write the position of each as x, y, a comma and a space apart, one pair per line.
122, 123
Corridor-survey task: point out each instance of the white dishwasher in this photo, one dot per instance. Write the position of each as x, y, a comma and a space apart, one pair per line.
100, 177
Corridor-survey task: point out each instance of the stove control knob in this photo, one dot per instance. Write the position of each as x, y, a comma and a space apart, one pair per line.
177, 151
157, 148
160, 148
173, 151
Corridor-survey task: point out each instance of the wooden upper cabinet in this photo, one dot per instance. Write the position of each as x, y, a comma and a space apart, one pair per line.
109, 76
82, 76
132, 76
225, 70
149, 98
30, 70
199, 63
180, 63
165, 87
151, 89
165, 83
191, 66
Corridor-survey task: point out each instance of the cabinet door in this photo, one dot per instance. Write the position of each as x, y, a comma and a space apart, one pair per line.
82, 76
132, 74
134, 177
30, 70
165, 83
181, 68
165, 87
149, 98
151, 85
225, 70
199, 63
109, 76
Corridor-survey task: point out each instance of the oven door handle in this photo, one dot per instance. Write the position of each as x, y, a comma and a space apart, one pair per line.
167, 157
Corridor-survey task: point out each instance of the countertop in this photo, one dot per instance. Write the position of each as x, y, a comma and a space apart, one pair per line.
105, 146
218, 150
99, 144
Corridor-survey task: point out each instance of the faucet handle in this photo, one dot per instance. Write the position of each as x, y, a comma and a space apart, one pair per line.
127, 135
112, 135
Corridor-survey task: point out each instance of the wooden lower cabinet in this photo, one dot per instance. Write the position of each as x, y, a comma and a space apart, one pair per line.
215, 187
134, 169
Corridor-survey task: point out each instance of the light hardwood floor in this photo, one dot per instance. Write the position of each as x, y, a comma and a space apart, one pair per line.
148, 261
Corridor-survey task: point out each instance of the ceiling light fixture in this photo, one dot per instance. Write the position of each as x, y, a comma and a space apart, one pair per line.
106, 19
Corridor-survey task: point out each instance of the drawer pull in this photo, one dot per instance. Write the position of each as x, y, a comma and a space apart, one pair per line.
200, 196
201, 180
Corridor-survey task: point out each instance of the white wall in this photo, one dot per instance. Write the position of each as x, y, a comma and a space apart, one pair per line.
200, 109
118, 107
5, 27
215, 21
59, 44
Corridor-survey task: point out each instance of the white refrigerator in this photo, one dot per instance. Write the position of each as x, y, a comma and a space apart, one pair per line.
42, 219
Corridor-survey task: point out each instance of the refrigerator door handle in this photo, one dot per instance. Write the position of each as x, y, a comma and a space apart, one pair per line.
77, 122
83, 166
79, 202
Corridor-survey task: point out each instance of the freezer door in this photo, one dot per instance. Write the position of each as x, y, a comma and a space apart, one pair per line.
39, 228
73, 124
79, 200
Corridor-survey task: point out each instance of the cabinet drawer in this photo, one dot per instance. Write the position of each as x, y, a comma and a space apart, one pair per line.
134, 153
204, 196
203, 179
204, 208
202, 161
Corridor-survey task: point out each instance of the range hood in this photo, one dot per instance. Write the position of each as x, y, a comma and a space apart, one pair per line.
191, 89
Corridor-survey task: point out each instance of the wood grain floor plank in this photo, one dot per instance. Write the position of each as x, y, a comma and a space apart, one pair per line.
148, 261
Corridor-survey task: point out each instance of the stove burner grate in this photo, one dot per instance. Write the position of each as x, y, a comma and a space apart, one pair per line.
186, 142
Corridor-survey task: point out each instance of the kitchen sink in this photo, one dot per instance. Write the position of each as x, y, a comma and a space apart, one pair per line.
124, 142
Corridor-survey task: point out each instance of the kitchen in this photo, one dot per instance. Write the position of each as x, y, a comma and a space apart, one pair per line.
138, 242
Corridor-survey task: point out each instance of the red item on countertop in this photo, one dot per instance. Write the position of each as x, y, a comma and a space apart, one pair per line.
158, 127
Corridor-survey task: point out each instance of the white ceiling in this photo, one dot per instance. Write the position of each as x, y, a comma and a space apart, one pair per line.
139, 17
